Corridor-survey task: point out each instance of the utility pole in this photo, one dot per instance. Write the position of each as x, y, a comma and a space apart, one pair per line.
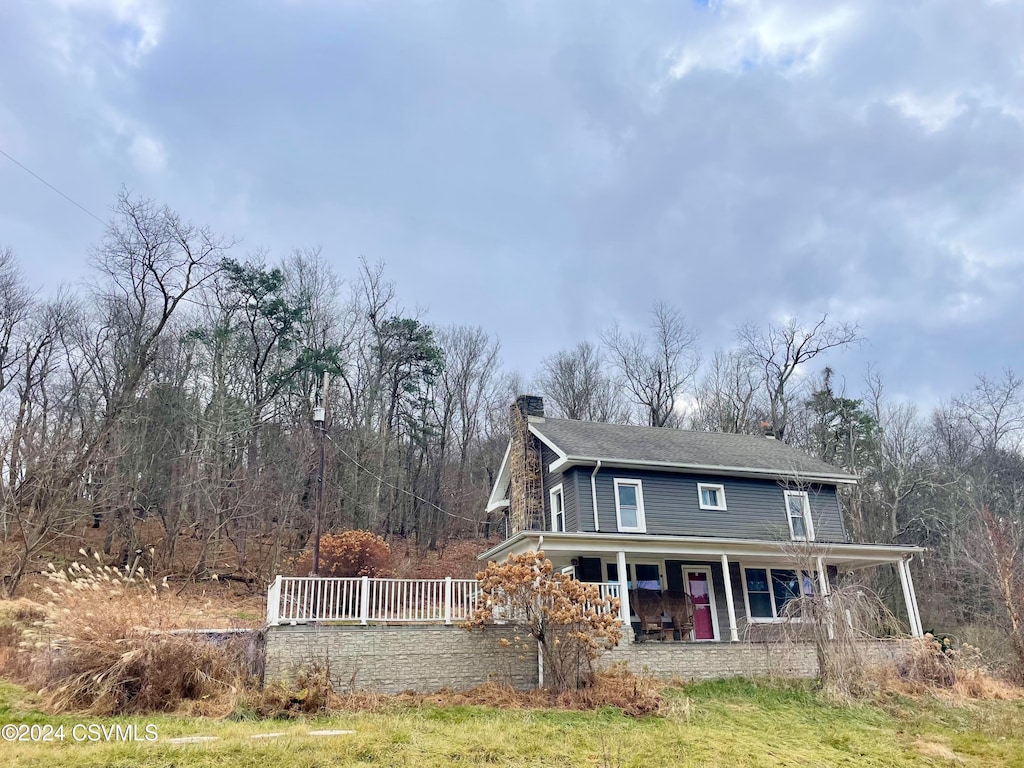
320, 420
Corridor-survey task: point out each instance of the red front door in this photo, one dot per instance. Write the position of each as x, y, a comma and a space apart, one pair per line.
699, 587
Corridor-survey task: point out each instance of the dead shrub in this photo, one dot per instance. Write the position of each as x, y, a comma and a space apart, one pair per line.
936, 666
349, 554
635, 695
109, 645
568, 619
312, 694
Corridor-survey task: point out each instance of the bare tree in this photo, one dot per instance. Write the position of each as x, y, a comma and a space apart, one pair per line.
999, 556
53, 422
725, 398
994, 412
150, 263
576, 386
779, 351
656, 368
16, 301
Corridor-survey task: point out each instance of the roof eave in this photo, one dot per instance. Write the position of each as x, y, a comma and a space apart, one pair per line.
866, 554
841, 478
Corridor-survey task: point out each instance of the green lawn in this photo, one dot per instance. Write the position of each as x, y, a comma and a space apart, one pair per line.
716, 724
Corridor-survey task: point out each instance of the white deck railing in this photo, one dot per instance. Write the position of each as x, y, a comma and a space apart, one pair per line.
608, 589
295, 600
362, 600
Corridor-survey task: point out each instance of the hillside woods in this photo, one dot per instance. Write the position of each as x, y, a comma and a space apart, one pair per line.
164, 413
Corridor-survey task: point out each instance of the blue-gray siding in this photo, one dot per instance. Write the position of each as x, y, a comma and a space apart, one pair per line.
568, 491
755, 509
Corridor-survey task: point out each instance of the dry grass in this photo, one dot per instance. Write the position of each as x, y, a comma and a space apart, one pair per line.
736, 723
957, 675
635, 695
111, 642
313, 694
16, 618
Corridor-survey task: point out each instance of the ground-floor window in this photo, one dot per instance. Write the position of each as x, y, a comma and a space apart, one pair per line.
769, 590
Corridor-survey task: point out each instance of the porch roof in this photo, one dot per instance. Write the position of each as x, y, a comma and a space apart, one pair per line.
849, 556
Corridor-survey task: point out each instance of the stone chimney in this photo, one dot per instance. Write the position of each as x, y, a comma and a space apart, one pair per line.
526, 494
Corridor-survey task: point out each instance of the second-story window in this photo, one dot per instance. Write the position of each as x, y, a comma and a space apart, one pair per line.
629, 506
557, 509
798, 510
711, 496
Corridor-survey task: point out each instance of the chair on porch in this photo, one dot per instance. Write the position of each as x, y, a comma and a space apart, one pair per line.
679, 608
660, 610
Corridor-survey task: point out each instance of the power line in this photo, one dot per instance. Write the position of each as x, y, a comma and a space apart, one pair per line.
374, 475
44, 181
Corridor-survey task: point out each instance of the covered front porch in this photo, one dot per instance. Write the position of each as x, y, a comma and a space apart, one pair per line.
696, 589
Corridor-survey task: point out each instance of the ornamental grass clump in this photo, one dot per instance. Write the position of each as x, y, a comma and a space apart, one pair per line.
938, 665
111, 643
568, 619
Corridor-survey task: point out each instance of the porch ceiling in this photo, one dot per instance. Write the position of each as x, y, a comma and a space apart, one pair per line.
844, 556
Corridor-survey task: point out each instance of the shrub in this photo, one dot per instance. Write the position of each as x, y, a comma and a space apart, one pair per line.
568, 619
311, 694
348, 554
108, 646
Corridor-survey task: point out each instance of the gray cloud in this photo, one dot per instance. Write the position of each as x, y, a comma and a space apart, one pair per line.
542, 169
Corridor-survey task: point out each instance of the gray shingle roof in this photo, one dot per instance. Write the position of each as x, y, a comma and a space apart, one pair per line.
625, 443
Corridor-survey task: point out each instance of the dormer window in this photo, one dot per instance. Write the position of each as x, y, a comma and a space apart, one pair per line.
711, 496
798, 510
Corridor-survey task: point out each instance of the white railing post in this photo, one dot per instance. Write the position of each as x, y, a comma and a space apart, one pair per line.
274, 602
447, 599
624, 611
364, 600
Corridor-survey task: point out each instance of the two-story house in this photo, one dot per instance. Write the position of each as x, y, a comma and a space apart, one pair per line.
737, 524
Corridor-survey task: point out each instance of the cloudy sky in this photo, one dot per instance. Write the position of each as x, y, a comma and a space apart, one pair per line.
543, 168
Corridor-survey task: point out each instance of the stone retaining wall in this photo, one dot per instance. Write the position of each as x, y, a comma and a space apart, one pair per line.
403, 658
428, 658
714, 661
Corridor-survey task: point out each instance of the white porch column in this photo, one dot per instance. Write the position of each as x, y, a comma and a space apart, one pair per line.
826, 590
274, 602
823, 578
908, 597
627, 627
913, 597
734, 635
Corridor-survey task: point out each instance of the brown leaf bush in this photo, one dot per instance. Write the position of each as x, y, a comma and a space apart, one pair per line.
349, 554
569, 619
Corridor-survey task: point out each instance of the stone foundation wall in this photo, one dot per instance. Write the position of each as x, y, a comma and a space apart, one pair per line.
429, 658
406, 658
714, 661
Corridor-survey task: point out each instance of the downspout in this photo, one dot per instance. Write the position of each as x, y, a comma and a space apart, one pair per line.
593, 494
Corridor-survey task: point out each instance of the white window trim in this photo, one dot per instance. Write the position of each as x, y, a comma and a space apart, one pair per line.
641, 520
557, 491
808, 523
775, 618
711, 486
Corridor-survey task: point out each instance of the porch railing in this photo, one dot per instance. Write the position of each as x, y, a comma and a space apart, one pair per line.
362, 600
